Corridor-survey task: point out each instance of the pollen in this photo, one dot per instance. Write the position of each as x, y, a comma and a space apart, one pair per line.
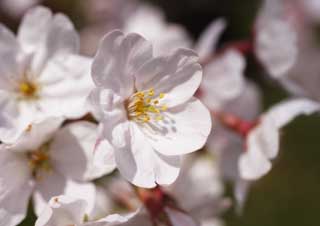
144, 107
28, 89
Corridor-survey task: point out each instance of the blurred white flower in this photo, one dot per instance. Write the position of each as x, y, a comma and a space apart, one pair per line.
223, 78
263, 140
202, 175
312, 9
207, 42
275, 39
224, 88
228, 145
303, 78
17, 8
150, 22
141, 18
101, 17
67, 210
45, 162
149, 114
198, 174
39, 70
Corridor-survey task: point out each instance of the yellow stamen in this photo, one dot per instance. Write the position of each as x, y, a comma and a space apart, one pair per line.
143, 109
161, 95
151, 92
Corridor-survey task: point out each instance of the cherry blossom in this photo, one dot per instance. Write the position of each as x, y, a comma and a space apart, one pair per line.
47, 161
67, 210
38, 72
148, 107
263, 140
17, 8
275, 39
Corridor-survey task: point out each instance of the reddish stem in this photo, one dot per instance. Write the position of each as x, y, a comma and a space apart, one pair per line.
235, 123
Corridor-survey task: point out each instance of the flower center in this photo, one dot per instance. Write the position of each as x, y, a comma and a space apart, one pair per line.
28, 89
143, 106
39, 160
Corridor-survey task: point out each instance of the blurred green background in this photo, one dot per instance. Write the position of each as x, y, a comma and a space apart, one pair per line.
290, 194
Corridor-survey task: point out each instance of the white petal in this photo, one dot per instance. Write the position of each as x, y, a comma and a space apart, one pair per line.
116, 219
177, 75
12, 122
224, 79
164, 36
62, 210
86, 191
241, 190
276, 39
17, 8
140, 219
140, 164
184, 129
118, 59
35, 135
286, 111
105, 104
61, 39
103, 203
253, 164
104, 157
312, 7
59, 94
72, 151
48, 185
262, 146
53, 183
15, 187
10, 65
266, 135
248, 105
34, 28
208, 39
199, 174
179, 218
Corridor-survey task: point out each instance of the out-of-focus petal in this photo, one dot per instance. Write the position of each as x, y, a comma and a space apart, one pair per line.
276, 39
208, 39
223, 79
165, 37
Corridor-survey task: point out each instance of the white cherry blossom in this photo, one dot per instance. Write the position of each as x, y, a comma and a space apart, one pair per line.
39, 70
312, 9
263, 141
223, 78
202, 175
150, 22
16, 8
67, 210
149, 114
47, 161
276, 39
228, 145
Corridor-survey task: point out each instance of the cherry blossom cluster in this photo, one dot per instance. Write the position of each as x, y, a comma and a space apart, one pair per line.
101, 133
